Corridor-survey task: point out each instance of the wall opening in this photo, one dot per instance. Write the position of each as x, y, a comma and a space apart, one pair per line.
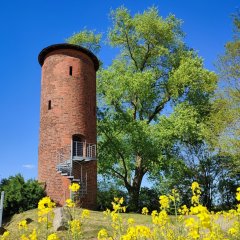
70, 70
77, 145
49, 104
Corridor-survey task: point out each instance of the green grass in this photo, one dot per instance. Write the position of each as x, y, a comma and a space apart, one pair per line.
91, 226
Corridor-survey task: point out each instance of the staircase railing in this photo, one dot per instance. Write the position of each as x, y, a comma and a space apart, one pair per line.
77, 151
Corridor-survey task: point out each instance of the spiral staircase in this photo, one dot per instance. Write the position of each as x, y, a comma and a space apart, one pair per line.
76, 153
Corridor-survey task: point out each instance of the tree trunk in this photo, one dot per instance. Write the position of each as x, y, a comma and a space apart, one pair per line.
133, 205
134, 188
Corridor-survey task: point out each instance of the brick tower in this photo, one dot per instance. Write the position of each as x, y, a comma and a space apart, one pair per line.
67, 144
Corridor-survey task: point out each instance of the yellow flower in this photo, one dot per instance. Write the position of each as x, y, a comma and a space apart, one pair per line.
70, 203
190, 222
22, 225
238, 208
45, 205
138, 232
145, 211
53, 236
195, 188
42, 219
75, 226
184, 210
160, 219
130, 221
175, 196
85, 214
5, 235
45, 210
195, 199
103, 234
194, 234
238, 194
232, 231
33, 235
74, 187
121, 200
107, 212
164, 201
154, 213
205, 219
24, 237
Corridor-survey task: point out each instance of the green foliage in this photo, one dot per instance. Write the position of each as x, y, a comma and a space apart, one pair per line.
148, 197
153, 95
87, 39
229, 70
20, 195
106, 193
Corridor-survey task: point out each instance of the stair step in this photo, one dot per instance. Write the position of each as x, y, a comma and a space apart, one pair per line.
64, 174
76, 180
70, 176
63, 165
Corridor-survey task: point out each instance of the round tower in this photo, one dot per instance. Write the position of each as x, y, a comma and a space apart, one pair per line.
67, 144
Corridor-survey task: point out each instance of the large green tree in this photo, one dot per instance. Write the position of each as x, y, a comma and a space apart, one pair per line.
229, 70
154, 95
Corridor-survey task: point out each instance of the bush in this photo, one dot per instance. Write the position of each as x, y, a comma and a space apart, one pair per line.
148, 198
20, 195
106, 193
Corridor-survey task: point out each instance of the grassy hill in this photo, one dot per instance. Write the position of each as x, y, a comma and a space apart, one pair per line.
90, 228
97, 221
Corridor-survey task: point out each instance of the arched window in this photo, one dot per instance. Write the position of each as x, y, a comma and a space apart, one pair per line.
77, 145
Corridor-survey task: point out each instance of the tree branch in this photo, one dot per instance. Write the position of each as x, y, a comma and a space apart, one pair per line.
119, 153
158, 108
121, 177
145, 58
130, 51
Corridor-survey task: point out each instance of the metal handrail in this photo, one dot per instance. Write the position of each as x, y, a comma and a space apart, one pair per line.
83, 149
77, 149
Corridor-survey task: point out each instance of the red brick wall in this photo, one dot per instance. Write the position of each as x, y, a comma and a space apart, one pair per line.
73, 111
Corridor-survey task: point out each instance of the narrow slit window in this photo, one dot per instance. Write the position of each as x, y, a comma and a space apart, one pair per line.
49, 105
70, 70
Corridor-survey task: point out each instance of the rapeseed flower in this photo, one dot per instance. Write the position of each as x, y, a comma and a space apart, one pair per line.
75, 226
6, 235
103, 234
74, 187
24, 237
85, 214
145, 211
164, 202
22, 225
33, 235
70, 203
53, 236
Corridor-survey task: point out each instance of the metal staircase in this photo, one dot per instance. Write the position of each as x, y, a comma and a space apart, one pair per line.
77, 153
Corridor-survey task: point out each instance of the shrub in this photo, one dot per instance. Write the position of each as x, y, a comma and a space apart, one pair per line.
20, 195
106, 193
148, 198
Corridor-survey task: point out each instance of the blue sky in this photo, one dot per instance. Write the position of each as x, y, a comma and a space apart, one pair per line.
29, 26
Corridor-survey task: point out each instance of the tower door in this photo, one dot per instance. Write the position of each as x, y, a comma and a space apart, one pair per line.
77, 146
